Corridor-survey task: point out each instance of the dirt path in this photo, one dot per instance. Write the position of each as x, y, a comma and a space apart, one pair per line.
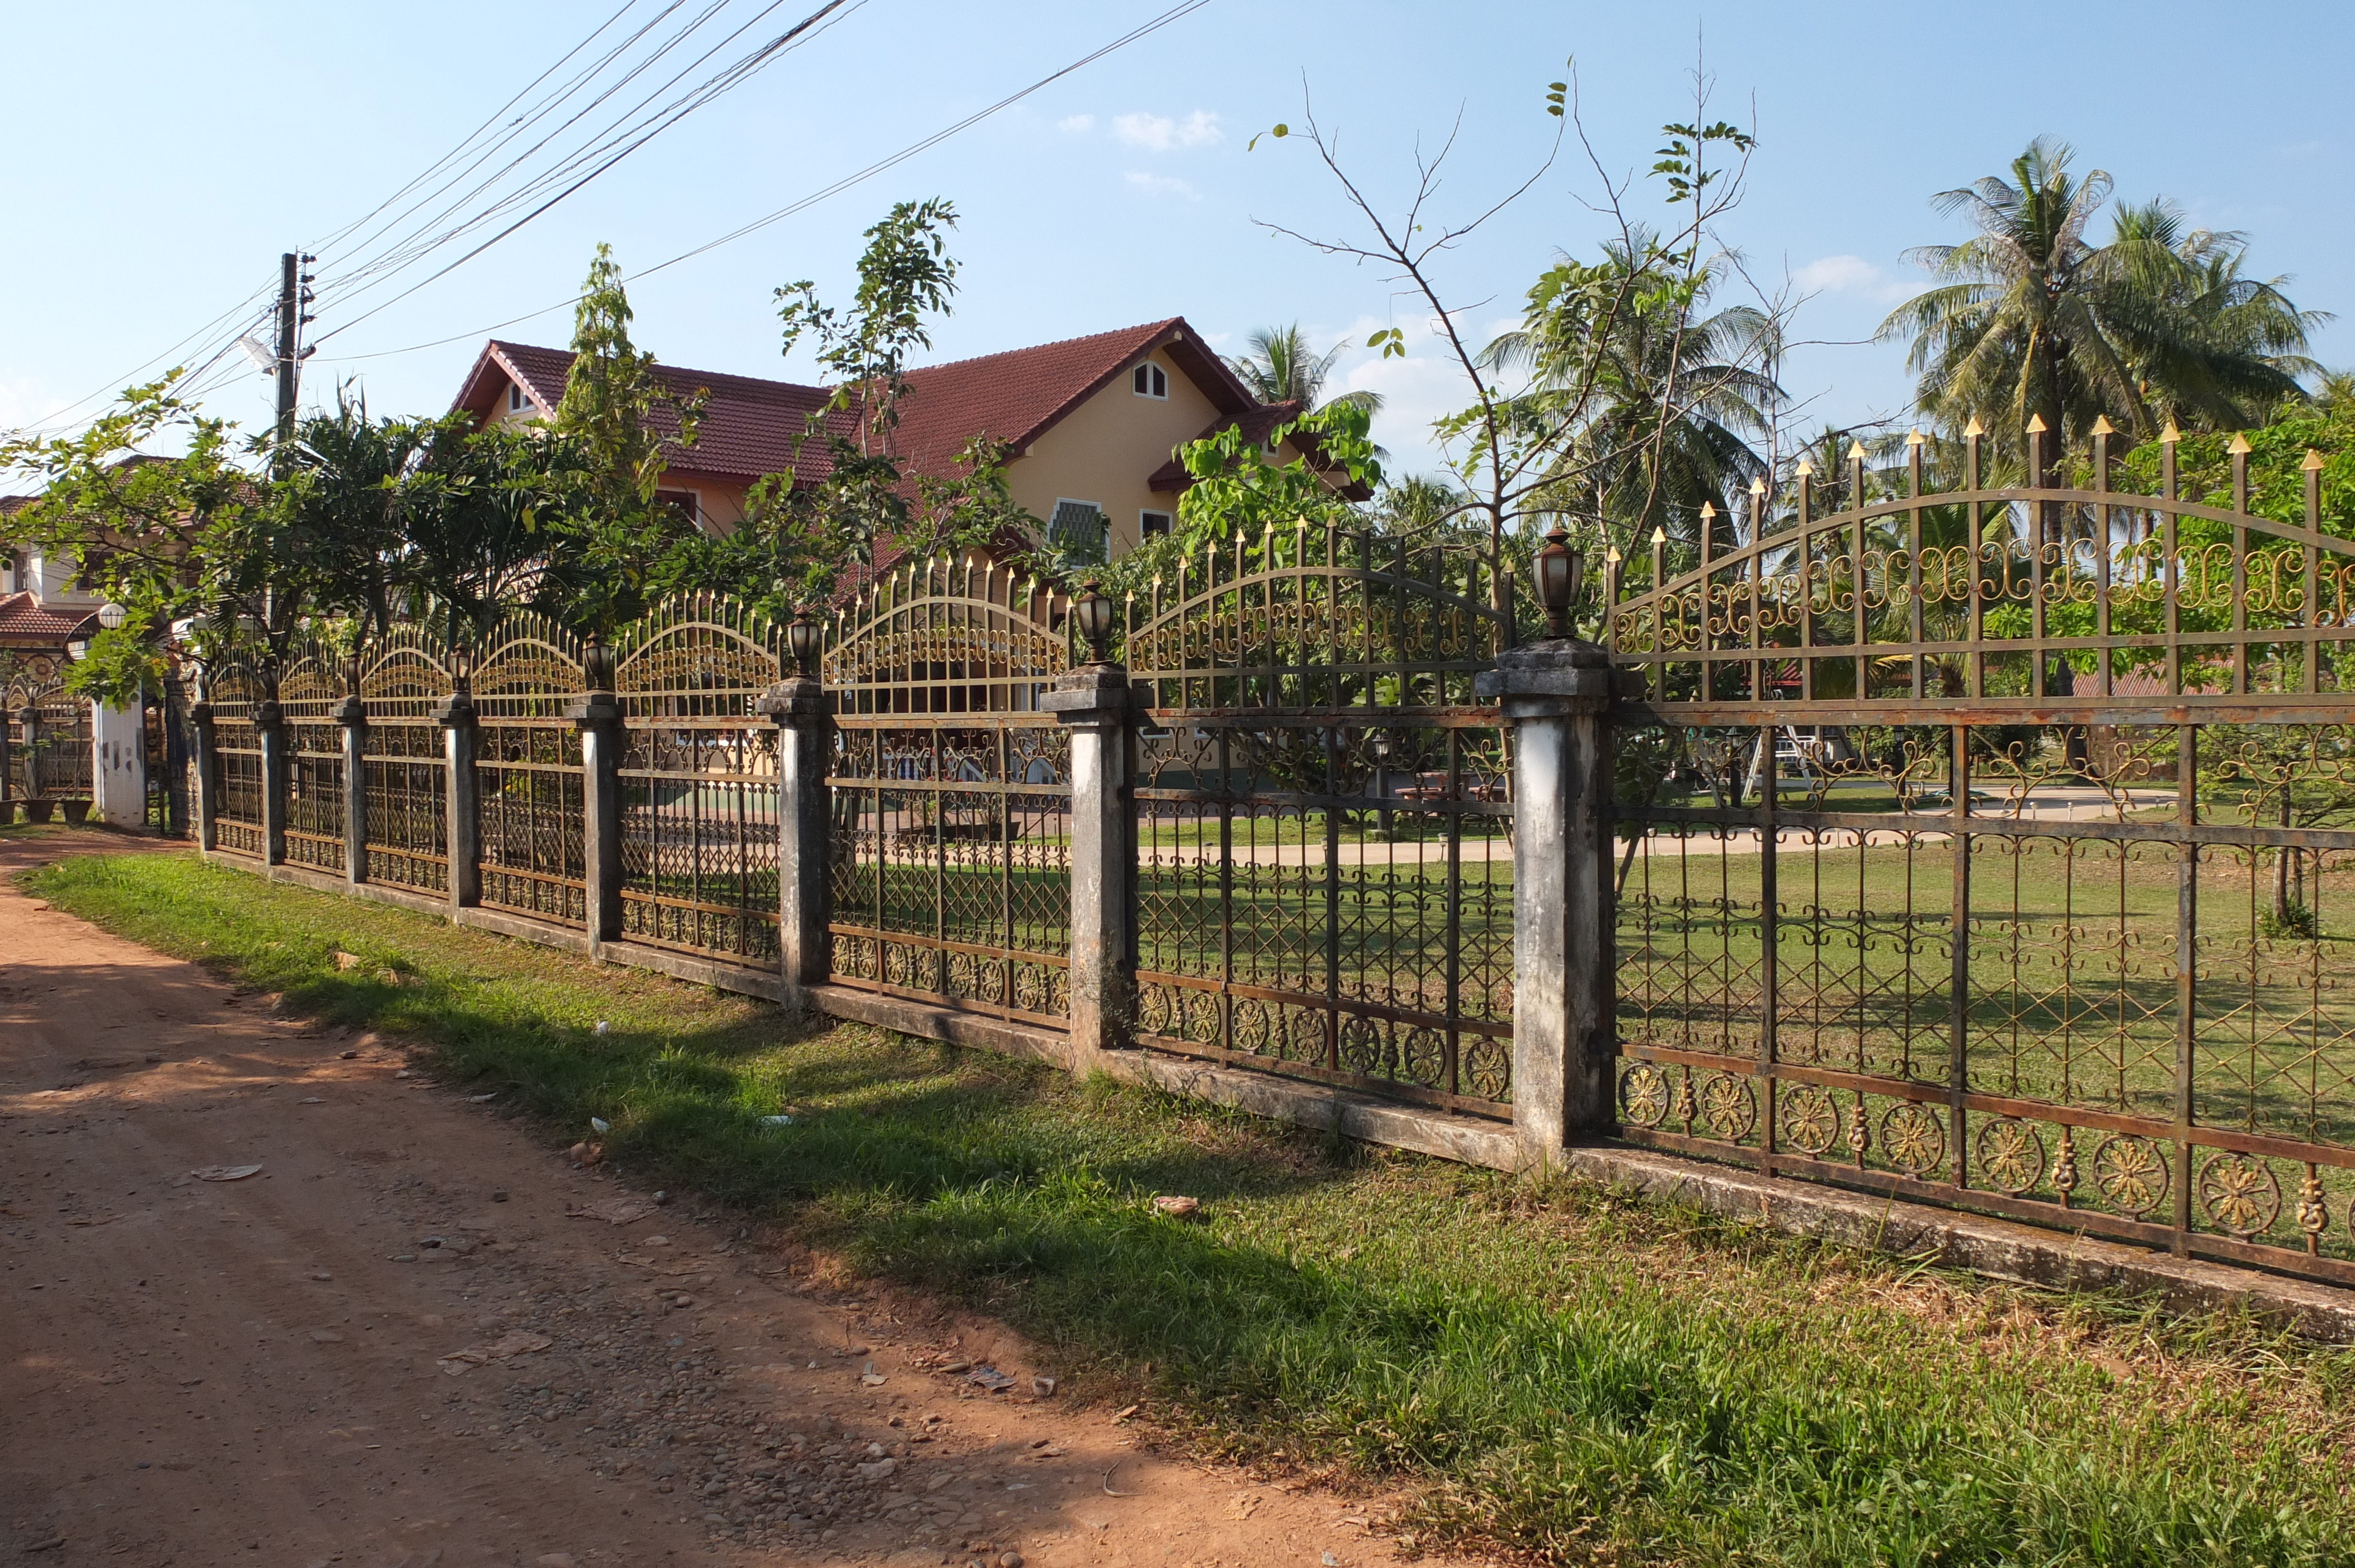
393, 1347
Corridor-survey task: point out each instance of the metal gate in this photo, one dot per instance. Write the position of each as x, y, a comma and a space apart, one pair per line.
699, 782
529, 770
404, 764
952, 796
1996, 847
1325, 867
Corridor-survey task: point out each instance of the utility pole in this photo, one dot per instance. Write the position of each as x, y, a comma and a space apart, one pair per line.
293, 293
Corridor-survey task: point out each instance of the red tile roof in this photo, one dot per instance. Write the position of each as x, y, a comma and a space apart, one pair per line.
1018, 396
26, 622
750, 426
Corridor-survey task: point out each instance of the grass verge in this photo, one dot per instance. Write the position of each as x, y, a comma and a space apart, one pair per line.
1556, 1372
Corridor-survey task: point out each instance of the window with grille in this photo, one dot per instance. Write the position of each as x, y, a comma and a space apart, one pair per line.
1079, 529
1152, 524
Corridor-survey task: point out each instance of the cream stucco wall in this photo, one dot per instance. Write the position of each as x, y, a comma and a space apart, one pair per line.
1105, 450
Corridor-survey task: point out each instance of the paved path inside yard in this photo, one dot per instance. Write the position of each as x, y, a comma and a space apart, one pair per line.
285, 1370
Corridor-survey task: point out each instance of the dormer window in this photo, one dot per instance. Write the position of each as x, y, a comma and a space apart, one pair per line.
515, 398
1151, 381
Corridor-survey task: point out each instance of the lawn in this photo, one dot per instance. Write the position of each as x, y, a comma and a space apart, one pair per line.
1549, 1370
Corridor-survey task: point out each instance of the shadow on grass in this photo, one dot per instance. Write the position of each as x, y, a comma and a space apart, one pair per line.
1546, 1386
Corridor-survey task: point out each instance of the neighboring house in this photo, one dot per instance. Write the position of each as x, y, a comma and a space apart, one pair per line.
1093, 422
41, 609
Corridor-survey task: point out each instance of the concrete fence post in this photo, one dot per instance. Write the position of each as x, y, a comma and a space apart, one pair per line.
270, 731
462, 808
200, 718
804, 834
8, 768
598, 716
1093, 703
1556, 696
352, 715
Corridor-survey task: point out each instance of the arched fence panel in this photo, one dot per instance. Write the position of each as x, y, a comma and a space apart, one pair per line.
698, 781
952, 792
404, 763
1996, 847
528, 762
1325, 876
317, 678
235, 688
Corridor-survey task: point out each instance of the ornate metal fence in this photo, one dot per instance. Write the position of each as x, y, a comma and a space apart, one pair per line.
698, 781
51, 759
1325, 870
1996, 847
315, 680
404, 763
528, 757
234, 689
951, 793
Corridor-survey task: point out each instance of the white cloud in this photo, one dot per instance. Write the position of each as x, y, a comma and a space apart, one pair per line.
1159, 134
1076, 123
1162, 184
1848, 275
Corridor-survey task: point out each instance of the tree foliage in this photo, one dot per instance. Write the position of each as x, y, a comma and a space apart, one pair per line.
2032, 320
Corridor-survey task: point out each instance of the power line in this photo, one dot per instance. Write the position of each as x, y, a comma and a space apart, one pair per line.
250, 313
320, 245
1173, 14
606, 154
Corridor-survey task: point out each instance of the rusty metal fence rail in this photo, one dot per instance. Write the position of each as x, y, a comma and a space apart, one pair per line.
1996, 847
699, 782
951, 849
527, 765
1325, 869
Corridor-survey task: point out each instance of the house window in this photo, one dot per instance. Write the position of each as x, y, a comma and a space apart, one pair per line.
1080, 528
1151, 380
515, 398
1152, 525
689, 503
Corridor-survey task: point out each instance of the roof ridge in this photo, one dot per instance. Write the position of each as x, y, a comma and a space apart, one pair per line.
1155, 328
688, 371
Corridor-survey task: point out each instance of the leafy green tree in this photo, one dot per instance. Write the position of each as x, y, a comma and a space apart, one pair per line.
195, 537
906, 275
623, 422
1240, 490
801, 536
2033, 321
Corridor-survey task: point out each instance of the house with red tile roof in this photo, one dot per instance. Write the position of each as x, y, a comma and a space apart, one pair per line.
42, 608
1093, 423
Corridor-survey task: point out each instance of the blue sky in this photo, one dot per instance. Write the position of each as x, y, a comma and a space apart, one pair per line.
163, 155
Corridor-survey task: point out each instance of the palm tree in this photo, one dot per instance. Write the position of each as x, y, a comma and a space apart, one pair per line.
1671, 393
1280, 368
2033, 321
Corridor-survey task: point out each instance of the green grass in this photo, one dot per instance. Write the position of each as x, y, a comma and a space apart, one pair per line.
1551, 1370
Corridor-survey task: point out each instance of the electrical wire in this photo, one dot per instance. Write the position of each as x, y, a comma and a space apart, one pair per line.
1173, 14
321, 245
632, 130
195, 378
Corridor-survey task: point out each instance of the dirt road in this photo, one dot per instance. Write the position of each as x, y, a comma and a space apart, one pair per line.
395, 1344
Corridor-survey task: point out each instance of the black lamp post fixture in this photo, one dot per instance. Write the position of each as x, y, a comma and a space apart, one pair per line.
1557, 570
801, 639
1094, 613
